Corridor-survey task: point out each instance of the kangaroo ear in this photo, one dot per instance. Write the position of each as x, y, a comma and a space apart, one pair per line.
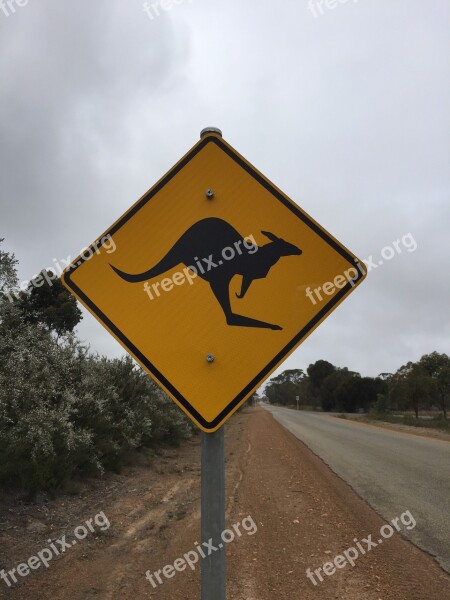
271, 236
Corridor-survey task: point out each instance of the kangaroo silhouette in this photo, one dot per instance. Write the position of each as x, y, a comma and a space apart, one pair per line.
208, 238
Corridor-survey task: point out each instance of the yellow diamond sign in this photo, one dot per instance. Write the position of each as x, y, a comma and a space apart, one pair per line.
216, 277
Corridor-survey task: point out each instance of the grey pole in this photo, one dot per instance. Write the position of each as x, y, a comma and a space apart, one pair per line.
213, 515
213, 496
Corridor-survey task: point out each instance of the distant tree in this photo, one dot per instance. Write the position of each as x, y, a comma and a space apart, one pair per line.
326, 383
284, 388
332, 391
281, 393
438, 368
305, 393
52, 305
357, 392
318, 372
385, 376
443, 386
291, 376
412, 387
382, 404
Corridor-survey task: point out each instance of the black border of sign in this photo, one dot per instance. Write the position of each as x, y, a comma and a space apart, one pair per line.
209, 425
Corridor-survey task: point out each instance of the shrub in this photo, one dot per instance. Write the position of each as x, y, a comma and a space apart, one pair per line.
65, 412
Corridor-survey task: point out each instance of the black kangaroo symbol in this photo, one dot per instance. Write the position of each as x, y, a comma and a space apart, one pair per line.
208, 238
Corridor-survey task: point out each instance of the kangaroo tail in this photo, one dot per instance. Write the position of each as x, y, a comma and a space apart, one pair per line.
168, 262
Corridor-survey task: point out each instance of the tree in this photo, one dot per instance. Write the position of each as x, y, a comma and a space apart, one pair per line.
10, 317
385, 376
8, 270
305, 393
291, 375
281, 393
326, 391
382, 404
50, 304
332, 391
438, 368
412, 387
443, 386
284, 388
359, 393
318, 372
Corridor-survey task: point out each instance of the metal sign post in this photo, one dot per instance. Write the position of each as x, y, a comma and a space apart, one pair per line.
213, 516
209, 228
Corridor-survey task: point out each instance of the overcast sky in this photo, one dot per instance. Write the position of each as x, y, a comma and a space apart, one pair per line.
345, 108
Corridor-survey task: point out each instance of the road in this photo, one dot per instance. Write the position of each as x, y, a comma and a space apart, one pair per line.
392, 471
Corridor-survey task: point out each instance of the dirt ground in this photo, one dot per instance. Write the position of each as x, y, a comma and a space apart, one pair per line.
304, 513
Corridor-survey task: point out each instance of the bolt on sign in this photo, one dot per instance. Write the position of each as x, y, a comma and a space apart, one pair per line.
211, 284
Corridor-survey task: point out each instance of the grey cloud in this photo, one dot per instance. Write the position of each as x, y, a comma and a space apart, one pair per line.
347, 113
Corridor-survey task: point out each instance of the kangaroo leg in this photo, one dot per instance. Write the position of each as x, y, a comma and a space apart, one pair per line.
220, 289
246, 282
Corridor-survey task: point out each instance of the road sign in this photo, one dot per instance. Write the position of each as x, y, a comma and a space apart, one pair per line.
217, 276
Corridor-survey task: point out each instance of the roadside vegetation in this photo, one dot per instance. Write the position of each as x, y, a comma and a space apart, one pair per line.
66, 413
426, 421
416, 394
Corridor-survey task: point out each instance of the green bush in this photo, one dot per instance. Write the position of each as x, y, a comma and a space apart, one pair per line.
66, 413
382, 405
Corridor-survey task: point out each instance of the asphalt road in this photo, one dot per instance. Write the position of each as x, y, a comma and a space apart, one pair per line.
393, 471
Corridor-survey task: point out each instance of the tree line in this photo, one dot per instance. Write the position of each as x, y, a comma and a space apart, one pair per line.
417, 386
65, 412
